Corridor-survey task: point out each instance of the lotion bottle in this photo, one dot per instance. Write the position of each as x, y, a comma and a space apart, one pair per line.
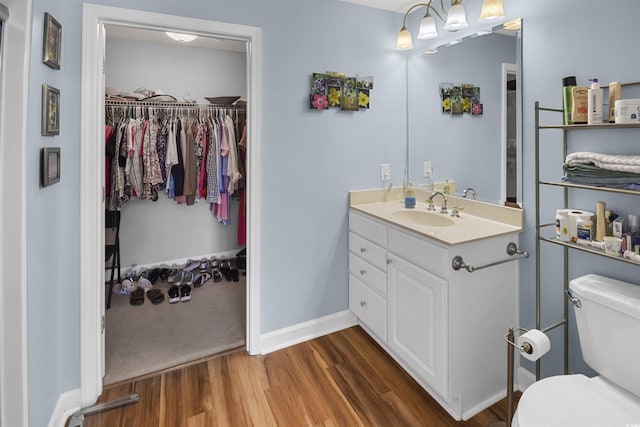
594, 103
579, 100
615, 94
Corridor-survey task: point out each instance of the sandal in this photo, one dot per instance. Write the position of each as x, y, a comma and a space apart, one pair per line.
185, 293
201, 279
137, 297
233, 270
217, 276
225, 269
174, 294
173, 275
145, 284
155, 296
205, 265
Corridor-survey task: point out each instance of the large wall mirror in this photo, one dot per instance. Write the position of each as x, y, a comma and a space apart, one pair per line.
479, 149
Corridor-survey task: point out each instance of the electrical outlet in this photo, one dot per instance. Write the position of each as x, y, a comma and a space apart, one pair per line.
385, 172
428, 170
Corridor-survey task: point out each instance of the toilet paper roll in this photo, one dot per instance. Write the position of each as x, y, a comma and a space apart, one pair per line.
538, 342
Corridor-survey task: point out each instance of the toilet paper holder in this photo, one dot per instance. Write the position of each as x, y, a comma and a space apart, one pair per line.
510, 337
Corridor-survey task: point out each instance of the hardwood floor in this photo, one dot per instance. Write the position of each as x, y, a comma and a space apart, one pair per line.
342, 379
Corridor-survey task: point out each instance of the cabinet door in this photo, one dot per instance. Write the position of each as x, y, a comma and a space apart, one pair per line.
417, 326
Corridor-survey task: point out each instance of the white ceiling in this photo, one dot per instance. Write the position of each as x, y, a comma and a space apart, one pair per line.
155, 36
400, 6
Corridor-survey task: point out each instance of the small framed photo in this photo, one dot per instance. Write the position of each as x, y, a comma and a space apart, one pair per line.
49, 166
52, 42
50, 110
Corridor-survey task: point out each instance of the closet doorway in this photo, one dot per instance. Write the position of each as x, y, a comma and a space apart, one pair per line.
92, 176
156, 84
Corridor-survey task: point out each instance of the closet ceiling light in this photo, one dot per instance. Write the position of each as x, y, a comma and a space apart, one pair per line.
492, 11
182, 38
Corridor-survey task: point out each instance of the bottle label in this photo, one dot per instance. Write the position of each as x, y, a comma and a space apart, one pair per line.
584, 232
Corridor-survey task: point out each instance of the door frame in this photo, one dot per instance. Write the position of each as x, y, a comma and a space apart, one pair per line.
92, 173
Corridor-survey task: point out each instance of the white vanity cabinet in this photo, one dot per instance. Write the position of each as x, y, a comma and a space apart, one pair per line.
445, 327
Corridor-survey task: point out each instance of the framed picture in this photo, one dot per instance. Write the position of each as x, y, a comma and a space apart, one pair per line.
49, 166
50, 110
52, 42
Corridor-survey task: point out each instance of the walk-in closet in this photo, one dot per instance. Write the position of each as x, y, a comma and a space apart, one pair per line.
175, 200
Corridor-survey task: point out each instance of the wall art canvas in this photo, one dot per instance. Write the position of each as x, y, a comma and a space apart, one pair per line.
52, 42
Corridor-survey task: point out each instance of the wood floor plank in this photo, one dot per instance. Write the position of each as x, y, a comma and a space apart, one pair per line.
342, 379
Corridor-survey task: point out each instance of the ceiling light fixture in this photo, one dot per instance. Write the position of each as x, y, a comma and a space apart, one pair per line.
182, 38
492, 11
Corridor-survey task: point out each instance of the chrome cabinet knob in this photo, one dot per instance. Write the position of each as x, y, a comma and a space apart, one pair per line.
363, 303
363, 272
363, 250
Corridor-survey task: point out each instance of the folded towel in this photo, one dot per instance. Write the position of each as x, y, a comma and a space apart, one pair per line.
620, 162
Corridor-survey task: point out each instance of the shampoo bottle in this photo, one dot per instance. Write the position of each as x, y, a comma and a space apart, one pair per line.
568, 83
615, 94
594, 116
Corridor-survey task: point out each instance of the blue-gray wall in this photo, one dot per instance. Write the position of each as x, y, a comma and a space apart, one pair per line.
309, 159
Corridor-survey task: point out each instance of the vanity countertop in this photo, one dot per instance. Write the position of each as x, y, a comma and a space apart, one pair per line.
478, 220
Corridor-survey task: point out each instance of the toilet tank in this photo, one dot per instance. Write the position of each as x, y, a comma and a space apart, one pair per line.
609, 328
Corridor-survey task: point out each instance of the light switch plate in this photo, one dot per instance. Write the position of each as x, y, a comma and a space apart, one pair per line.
385, 172
428, 170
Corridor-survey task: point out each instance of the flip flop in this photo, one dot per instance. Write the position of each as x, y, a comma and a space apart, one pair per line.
155, 296
185, 293
205, 265
201, 279
174, 294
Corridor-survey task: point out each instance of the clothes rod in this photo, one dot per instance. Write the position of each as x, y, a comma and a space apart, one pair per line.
165, 105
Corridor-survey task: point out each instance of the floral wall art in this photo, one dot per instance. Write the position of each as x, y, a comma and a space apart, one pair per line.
459, 99
336, 90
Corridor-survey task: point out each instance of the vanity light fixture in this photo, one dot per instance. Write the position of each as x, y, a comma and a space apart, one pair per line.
492, 11
514, 24
180, 37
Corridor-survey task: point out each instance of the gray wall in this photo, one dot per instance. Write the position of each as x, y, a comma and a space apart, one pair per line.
316, 156
162, 231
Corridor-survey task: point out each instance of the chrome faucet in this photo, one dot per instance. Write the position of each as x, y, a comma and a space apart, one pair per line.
473, 193
390, 186
443, 209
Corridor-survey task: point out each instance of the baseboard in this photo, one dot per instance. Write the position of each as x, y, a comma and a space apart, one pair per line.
68, 403
305, 331
525, 379
178, 261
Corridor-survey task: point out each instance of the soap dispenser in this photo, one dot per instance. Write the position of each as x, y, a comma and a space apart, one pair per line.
410, 198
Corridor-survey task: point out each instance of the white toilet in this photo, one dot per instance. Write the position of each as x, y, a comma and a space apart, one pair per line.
609, 329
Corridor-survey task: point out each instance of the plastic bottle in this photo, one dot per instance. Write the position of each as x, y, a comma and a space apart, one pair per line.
594, 103
615, 94
584, 226
601, 222
568, 83
446, 189
562, 225
579, 101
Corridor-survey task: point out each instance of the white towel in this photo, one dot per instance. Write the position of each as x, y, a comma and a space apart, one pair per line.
615, 162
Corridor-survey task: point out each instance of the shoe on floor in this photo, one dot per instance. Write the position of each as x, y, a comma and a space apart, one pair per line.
137, 297
174, 294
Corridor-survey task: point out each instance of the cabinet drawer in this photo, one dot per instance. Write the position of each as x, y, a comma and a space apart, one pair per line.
368, 306
370, 275
418, 251
372, 230
368, 250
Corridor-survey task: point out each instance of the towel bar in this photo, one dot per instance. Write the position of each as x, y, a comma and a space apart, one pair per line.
512, 250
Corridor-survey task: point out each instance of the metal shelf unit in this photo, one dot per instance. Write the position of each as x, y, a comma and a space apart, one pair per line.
566, 186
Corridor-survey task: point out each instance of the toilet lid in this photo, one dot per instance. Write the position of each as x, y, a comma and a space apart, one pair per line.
576, 400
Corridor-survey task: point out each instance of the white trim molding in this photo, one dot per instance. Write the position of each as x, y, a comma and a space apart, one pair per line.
66, 406
14, 87
306, 331
92, 163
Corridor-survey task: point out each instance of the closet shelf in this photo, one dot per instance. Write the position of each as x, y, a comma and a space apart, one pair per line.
584, 126
182, 105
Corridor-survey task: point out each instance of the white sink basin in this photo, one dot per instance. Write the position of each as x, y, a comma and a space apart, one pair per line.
413, 217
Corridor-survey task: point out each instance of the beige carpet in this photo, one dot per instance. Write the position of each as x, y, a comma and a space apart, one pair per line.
143, 339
